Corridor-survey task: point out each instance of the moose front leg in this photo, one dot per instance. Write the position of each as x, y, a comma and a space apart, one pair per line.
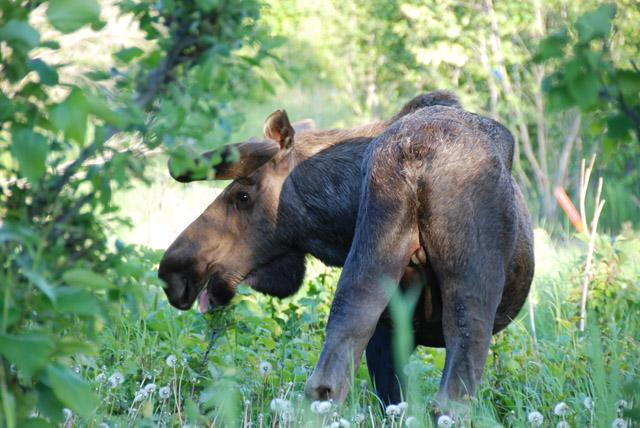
382, 367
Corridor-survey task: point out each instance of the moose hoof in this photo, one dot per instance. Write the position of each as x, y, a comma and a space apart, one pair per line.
317, 390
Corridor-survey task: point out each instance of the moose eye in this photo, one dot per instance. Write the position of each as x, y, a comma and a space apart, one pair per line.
242, 198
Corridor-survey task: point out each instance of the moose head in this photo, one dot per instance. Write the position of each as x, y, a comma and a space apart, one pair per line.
237, 238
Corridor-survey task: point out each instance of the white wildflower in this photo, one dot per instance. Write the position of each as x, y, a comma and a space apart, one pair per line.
411, 421
101, 377
116, 379
393, 410
171, 360
343, 423
359, 418
321, 407
67, 413
445, 421
164, 392
150, 388
535, 418
403, 406
141, 395
561, 409
280, 405
619, 423
265, 368
588, 403
622, 404
563, 424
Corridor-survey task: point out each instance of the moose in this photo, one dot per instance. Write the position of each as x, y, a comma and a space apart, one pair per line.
423, 199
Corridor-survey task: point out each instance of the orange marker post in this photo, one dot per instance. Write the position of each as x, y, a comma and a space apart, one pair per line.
568, 207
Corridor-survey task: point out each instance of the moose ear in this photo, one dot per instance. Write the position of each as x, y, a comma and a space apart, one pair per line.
231, 161
278, 128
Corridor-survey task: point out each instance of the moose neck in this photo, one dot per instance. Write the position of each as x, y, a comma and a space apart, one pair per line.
320, 200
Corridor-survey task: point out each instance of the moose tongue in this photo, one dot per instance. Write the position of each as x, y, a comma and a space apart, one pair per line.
203, 301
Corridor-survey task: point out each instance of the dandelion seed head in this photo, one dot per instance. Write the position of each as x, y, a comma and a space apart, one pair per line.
343, 423
116, 379
403, 406
101, 377
588, 403
67, 413
104, 425
359, 418
619, 423
535, 418
445, 421
150, 388
411, 421
280, 405
164, 392
171, 361
393, 410
563, 424
265, 368
321, 407
561, 409
622, 404
141, 395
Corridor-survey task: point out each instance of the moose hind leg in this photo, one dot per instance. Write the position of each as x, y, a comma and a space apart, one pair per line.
471, 270
467, 322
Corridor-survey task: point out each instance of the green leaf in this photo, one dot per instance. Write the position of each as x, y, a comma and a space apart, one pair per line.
595, 24
558, 98
71, 390
29, 351
19, 34
76, 301
86, 279
127, 54
629, 82
98, 75
552, 46
39, 281
69, 15
30, 150
101, 109
70, 116
48, 75
36, 423
584, 89
618, 126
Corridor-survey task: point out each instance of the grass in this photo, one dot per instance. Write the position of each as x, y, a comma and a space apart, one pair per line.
264, 349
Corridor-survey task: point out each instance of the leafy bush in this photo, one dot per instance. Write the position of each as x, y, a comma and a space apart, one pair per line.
67, 142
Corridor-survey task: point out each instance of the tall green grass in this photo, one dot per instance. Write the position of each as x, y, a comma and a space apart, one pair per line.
264, 349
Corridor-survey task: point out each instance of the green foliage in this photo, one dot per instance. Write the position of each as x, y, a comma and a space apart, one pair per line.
587, 76
64, 278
